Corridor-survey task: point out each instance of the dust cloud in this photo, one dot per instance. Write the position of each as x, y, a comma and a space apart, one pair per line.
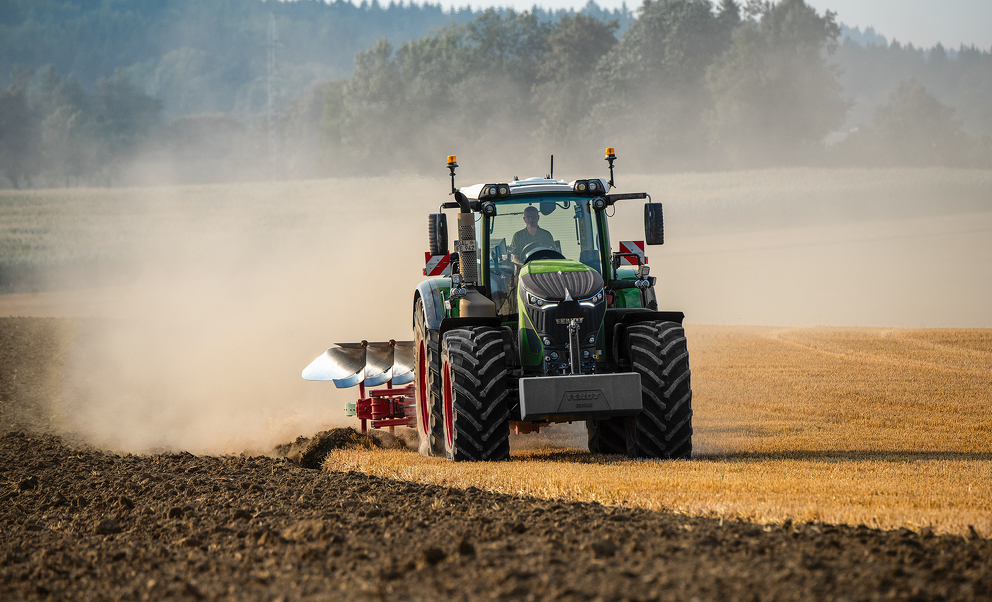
230, 290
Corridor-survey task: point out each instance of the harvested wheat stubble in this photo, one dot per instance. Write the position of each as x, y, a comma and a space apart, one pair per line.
884, 427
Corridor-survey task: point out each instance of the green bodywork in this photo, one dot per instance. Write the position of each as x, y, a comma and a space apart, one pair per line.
532, 351
628, 297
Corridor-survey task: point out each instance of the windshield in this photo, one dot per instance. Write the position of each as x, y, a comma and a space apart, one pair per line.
567, 226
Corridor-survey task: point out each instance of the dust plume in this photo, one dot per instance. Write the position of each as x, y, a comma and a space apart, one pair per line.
230, 292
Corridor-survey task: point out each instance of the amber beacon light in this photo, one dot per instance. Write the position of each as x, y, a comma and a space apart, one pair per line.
611, 156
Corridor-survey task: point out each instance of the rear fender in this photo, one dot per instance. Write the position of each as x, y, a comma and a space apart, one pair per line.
432, 292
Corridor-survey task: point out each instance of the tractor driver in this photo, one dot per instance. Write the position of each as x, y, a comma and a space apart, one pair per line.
529, 235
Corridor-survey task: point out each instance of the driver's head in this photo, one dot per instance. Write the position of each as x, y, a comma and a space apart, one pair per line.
531, 216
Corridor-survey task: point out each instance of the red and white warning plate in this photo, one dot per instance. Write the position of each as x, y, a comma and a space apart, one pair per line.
437, 265
632, 246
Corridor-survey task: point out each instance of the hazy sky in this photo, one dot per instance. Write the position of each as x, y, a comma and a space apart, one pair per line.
922, 22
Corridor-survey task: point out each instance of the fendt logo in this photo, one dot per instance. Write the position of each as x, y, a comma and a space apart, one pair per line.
583, 396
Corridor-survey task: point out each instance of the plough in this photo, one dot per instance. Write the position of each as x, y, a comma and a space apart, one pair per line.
374, 364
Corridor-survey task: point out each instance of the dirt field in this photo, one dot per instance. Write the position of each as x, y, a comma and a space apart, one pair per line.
84, 524
81, 524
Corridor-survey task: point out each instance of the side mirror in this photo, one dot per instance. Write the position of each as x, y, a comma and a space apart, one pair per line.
654, 224
437, 233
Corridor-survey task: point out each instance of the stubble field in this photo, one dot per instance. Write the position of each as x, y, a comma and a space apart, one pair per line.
881, 427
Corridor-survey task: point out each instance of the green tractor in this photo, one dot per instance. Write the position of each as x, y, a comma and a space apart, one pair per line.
531, 320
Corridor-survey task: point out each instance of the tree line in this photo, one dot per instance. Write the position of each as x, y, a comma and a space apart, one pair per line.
689, 85
683, 85
52, 125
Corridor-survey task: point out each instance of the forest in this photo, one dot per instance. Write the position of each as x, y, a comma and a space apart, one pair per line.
121, 92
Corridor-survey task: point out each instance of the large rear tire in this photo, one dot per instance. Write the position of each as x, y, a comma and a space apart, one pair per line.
607, 436
473, 389
427, 386
663, 429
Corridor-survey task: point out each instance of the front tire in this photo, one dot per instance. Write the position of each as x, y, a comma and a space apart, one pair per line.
659, 353
474, 394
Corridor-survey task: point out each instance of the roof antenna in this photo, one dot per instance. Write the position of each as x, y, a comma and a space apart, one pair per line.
551, 176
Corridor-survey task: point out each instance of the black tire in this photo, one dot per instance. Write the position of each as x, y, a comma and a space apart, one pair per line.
437, 228
607, 436
473, 389
427, 386
663, 429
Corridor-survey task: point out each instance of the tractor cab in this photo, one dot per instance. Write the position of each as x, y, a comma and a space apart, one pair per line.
537, 223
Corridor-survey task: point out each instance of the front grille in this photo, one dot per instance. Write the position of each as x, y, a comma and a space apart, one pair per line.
545, 322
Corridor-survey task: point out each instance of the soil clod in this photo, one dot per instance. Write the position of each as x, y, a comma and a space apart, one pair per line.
309, 452
107, 526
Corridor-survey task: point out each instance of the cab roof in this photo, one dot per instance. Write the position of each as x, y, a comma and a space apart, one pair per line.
522, 187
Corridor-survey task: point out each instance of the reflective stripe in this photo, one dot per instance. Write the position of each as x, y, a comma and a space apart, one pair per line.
437, 265
632, 246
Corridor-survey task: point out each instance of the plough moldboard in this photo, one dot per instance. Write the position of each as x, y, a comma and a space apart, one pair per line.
375, 364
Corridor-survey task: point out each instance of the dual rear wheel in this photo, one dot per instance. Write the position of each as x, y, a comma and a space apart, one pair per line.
427, 386
461, 395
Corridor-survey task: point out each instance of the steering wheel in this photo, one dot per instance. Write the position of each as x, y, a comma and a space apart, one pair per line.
536, 250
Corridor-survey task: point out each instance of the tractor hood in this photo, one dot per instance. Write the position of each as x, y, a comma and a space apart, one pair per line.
554, 279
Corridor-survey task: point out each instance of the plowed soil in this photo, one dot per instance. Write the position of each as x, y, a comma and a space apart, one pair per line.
78, 523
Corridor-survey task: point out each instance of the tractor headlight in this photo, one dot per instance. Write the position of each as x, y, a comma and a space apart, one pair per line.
535, 300
592, 339
547, 341
593, 300
494, 191
489, 208
589, 187
553, 355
